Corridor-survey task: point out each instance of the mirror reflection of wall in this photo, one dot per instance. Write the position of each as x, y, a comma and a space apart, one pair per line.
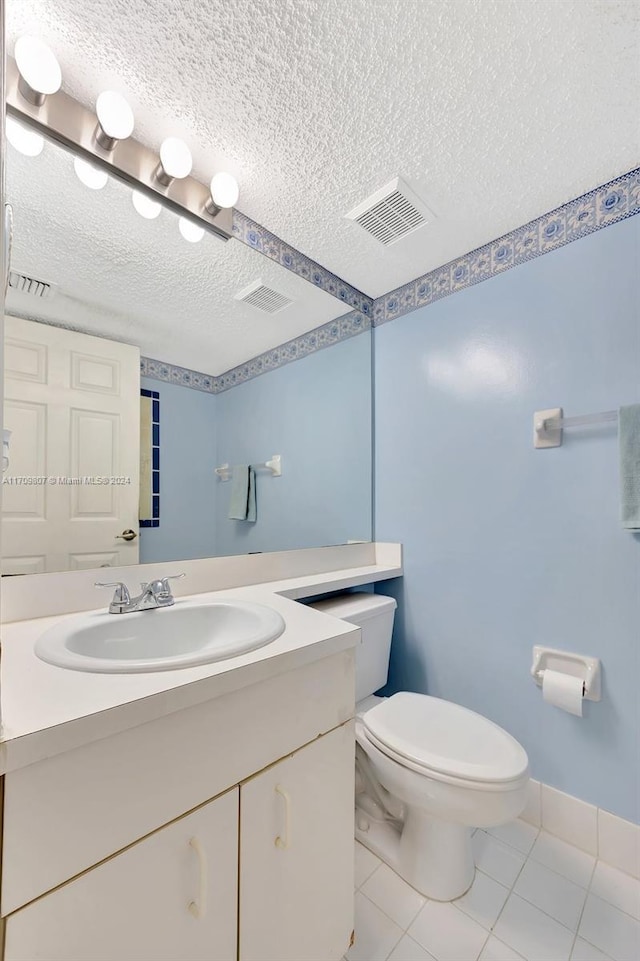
240, 374
315, 413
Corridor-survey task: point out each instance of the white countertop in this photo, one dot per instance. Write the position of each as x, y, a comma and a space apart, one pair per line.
47, 710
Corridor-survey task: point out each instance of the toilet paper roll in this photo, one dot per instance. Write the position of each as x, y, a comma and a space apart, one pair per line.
563, 691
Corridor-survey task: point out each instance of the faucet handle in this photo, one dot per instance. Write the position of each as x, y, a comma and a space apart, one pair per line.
121, 596
160, 585
171, 577
121, 592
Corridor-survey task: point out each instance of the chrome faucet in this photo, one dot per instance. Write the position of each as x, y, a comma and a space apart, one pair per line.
154, 594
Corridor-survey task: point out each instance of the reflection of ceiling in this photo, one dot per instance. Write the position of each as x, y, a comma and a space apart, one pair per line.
495, 111
138, 280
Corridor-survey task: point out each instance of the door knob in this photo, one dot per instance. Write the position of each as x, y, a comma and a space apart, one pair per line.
127, 535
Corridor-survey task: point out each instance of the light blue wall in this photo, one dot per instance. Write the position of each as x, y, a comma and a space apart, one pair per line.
507, 546
187, 481
316, 413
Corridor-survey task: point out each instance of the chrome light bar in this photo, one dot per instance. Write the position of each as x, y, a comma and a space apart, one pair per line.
67, 122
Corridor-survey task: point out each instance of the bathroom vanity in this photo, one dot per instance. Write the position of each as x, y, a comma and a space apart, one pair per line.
203, 814
233, 821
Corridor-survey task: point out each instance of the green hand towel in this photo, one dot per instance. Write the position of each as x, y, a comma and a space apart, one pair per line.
252, 509
242, 506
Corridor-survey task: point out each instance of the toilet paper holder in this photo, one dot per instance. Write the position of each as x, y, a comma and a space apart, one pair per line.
565, 662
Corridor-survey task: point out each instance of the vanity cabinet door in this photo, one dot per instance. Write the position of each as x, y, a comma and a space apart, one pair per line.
296, 854
170, 897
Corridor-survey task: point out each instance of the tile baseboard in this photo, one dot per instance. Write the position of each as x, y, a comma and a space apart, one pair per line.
598, 832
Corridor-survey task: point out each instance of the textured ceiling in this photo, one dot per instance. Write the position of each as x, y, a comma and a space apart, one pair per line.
495, 111
138, 280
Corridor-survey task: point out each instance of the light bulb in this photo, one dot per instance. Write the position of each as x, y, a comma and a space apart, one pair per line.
175, 160
146, 207
224, 190
26, 141
190, 231
115, 119
90, 176
39, 70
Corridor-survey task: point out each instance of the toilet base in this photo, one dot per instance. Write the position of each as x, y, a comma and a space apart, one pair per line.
433, 856
380, 836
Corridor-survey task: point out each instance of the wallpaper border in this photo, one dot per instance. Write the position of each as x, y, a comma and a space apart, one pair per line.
599, 208
327, 335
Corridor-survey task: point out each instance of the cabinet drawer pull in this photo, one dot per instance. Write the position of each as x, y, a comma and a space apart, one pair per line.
198, 907
284, 842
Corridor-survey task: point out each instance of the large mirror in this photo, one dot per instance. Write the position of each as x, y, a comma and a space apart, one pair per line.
161, 403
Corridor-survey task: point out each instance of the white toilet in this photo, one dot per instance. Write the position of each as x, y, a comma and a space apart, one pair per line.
427, 770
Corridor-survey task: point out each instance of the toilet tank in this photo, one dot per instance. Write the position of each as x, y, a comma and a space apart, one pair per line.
373, 614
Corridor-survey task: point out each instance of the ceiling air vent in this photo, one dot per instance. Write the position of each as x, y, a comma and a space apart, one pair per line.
263, 298
24, 284
391, 212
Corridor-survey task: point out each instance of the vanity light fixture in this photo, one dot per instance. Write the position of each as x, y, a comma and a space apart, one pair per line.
146, 207
162, 176
175, 161
40, 73
224, 192
26, 141
190, 231
90, 176
115, 119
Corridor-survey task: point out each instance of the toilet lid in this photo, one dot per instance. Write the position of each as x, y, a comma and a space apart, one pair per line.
445, 737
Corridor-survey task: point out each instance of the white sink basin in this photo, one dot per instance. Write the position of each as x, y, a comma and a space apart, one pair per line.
185, 635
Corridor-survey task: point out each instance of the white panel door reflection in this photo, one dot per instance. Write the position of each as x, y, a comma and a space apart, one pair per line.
72, 487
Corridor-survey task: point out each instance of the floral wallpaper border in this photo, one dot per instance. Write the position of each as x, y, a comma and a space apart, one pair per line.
326, 336
601, 207
605, 205
254, 235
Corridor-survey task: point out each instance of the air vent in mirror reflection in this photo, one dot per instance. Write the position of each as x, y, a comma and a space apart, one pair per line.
24, 284
263, 298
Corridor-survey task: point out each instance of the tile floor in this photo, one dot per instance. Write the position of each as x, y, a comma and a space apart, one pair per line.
534, 897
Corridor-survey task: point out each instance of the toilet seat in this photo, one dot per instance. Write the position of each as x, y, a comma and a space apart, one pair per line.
441, 739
